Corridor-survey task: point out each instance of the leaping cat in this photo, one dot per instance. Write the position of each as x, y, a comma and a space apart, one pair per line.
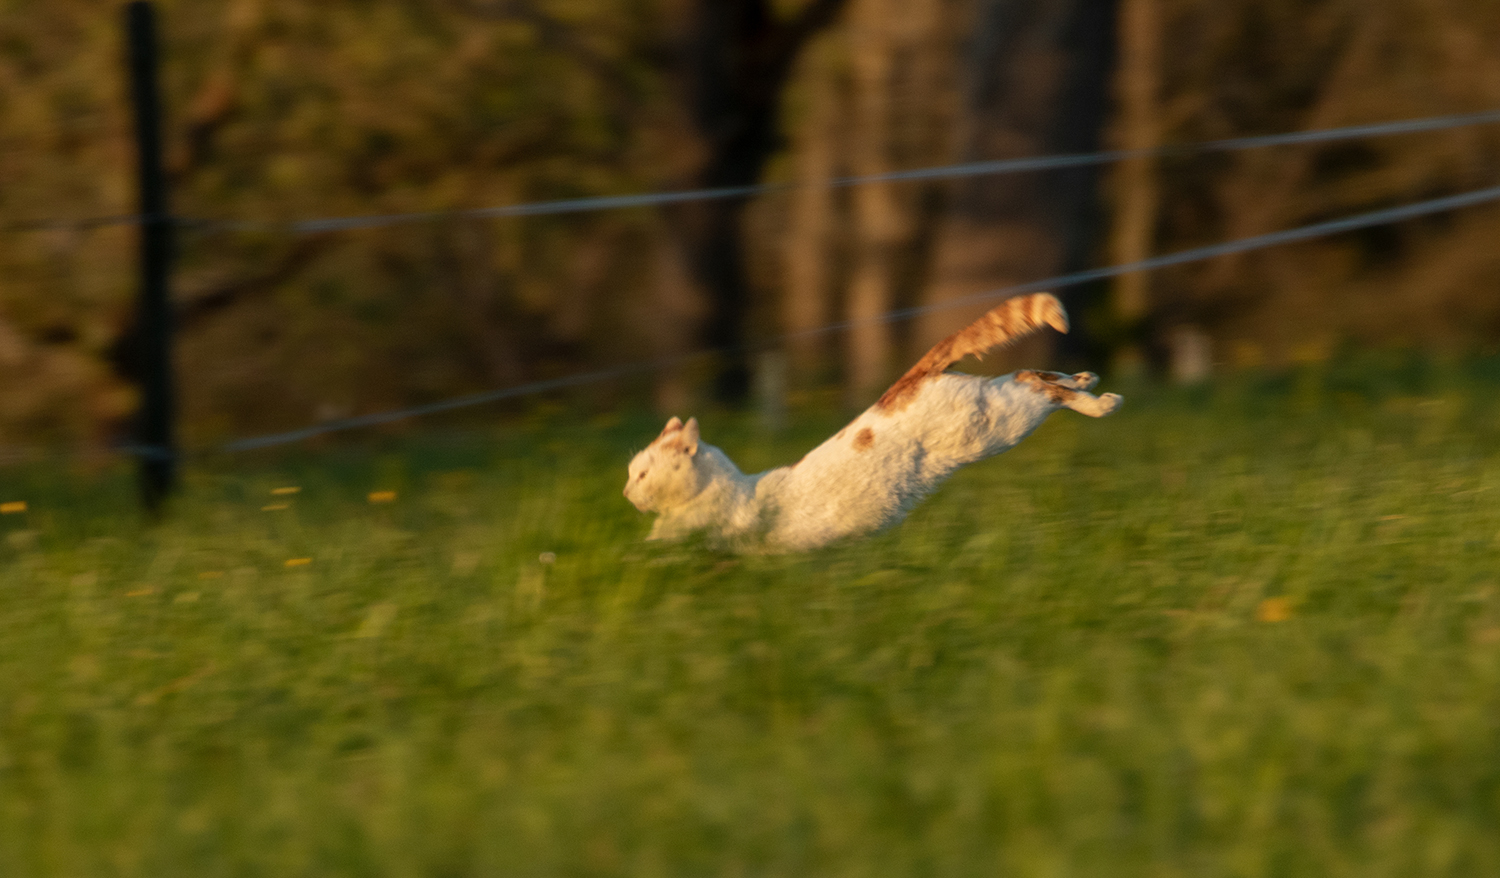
875, 470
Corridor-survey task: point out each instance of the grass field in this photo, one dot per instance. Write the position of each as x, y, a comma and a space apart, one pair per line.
1245, 630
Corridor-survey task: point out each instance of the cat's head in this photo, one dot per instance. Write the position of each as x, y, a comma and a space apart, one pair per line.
666, 473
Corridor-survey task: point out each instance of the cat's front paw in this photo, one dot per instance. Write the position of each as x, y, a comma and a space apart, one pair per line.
1109, 403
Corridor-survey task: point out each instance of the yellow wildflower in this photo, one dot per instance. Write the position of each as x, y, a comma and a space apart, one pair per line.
1277, 609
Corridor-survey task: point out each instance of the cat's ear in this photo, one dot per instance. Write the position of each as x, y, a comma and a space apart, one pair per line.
672, 426
689, 438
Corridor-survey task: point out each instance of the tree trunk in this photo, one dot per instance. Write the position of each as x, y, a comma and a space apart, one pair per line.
737, 66
878, 221
1038, 74
711, 234
1135, 185
805, 300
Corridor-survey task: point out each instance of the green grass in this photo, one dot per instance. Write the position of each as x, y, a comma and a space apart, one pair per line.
1055, 667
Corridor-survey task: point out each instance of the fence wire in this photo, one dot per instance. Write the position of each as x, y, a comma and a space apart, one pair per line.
944, 172
1195, 254
657, 199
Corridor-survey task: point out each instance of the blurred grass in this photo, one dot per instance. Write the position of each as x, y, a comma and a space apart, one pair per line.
1250, 629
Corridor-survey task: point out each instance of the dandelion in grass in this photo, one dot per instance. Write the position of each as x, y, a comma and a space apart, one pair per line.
1277, 609
382, 497
13, 507
289, 489
298, 562
547, 558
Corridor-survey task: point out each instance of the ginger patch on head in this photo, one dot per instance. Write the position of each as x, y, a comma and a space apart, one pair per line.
864, 439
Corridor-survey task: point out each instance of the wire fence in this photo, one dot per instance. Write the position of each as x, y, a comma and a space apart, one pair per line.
1196, 254
945, 172
658, 199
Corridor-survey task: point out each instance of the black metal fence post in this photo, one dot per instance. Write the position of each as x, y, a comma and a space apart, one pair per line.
154, 431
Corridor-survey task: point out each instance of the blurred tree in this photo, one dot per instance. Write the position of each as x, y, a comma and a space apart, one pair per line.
734, 66
1259, 67
811, 235
63, 153
876, 97
892, 88
877, 219
1038, 77
1135, 197
287, 111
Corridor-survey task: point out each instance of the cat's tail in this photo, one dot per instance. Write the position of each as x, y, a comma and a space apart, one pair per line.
1006, 322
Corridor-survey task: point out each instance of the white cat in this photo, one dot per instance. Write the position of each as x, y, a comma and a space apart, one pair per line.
870, 475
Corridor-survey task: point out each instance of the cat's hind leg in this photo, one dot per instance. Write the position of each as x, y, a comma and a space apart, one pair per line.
1076, 381
1083, 380
1071, 391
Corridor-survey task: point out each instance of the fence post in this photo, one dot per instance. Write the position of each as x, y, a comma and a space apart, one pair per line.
156, 445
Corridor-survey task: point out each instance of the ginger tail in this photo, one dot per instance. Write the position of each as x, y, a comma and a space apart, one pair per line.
1006, 322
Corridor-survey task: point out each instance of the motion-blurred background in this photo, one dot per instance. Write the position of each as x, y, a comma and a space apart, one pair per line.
282, 111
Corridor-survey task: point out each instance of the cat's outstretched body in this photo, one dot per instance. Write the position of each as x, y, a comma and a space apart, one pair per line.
870, 475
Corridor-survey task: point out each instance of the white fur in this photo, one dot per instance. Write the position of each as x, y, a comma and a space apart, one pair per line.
841, 489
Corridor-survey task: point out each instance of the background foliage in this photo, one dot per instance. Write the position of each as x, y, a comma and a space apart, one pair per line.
286, 111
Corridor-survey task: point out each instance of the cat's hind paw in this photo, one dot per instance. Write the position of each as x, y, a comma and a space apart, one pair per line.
1108, 404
